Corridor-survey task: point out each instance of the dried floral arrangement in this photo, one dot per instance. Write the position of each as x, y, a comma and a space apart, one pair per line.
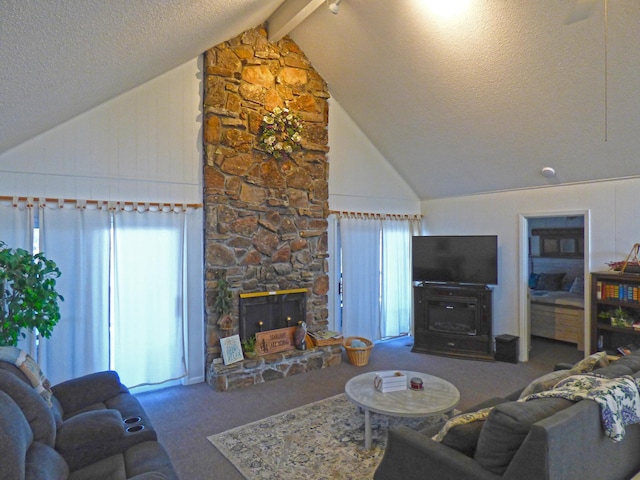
280, 132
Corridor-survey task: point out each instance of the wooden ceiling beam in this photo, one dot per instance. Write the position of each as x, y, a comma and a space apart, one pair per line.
289, 15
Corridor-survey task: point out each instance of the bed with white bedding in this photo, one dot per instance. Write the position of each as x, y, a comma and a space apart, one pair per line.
558, 313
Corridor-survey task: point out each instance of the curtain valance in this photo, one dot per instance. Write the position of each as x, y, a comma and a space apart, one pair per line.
112, 206
376, 216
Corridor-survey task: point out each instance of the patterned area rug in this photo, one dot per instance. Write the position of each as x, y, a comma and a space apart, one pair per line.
320, 441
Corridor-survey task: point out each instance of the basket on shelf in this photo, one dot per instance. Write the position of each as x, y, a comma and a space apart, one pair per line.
318, 342
358, 356
631, 264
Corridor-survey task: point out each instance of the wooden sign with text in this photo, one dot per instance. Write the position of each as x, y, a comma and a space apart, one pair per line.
274, 341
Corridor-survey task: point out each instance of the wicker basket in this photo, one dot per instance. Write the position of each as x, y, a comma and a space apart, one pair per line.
318, 342
358, 356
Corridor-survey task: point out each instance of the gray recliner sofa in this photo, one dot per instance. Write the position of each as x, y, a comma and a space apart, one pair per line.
92, 429
538, 439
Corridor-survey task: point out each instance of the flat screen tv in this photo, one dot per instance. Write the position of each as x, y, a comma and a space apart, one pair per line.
471, 259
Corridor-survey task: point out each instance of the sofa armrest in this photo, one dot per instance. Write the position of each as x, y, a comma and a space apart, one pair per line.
409, 455
89, 429
91, 436
81, 392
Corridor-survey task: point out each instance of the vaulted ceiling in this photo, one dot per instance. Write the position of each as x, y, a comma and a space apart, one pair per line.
477, 102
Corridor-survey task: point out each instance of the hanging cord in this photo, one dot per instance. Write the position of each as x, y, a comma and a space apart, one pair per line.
606, 70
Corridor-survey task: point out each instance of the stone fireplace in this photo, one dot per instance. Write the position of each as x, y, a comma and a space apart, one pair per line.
265, 219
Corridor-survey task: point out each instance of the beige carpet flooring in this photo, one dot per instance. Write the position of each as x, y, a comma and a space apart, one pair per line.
185, 416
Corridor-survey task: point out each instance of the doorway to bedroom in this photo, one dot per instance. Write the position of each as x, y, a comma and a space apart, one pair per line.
554, 258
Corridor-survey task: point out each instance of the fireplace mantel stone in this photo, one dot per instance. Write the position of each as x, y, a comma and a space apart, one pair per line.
265, 218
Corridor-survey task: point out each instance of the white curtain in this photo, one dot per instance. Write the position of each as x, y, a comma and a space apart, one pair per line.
335, 272
78, 241
16, 225
148, 306
360, 240
396, 278
16, 230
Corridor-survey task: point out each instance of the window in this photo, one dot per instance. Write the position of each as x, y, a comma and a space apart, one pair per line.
375, 277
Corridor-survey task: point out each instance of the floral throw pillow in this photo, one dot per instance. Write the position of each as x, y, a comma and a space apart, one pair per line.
593, 361
545, 382
30, 368
462, 419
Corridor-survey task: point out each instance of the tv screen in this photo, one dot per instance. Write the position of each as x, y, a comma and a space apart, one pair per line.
455, 259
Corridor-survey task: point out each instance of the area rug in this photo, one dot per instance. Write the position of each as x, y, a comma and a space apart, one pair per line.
320, 441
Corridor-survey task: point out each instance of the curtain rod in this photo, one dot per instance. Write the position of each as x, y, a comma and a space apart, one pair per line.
16, 199
383, 216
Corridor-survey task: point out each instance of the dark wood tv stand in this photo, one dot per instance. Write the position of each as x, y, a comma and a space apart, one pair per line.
453, 320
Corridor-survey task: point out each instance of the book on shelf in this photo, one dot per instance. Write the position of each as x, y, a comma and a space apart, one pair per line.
617, 291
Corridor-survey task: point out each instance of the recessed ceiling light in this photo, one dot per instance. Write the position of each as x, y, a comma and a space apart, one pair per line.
447, 8
548, 172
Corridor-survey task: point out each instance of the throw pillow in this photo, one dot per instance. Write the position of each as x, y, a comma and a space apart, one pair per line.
30, 369
550, 281
462, 431
507, 426
595, 360
545, 382
577, 286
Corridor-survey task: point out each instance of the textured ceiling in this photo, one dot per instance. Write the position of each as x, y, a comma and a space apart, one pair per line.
480, 102
61, 58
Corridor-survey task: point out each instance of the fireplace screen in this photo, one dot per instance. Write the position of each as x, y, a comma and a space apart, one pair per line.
264, 311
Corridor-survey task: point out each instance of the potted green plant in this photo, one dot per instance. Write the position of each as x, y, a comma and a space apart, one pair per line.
249, 347
223, 302
619, 318
28, 296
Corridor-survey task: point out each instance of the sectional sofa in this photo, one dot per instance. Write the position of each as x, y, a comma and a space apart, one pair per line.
541, 432
87, 428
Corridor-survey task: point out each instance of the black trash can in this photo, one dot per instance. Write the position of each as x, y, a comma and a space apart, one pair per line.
507, 348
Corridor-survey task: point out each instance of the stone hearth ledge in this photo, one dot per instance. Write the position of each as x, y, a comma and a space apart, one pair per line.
274, 366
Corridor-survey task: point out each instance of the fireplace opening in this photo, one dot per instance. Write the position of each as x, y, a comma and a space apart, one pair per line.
453, 317
263, 311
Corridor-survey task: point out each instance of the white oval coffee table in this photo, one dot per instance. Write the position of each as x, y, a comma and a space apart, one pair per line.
437, 397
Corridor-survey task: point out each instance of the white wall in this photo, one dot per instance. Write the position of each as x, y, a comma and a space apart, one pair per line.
360, 178
145, 145
611, 230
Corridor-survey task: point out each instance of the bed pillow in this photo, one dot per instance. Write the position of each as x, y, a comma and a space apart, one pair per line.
550, 281
577, 286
